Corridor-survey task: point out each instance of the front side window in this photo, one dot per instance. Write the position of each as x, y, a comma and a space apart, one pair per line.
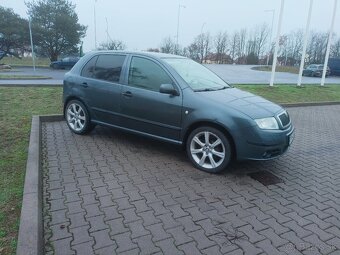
146, 74
109, 67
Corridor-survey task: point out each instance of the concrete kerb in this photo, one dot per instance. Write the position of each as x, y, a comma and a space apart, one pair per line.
31, 239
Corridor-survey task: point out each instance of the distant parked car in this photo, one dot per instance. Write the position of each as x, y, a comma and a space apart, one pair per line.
177, 100
334, 65
65, 63
315, 71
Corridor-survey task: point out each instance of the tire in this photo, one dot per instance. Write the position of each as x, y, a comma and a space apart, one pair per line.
78, 118
55, 66
209, 149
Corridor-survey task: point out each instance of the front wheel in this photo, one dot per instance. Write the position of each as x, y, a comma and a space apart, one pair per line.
209, 149
77, 117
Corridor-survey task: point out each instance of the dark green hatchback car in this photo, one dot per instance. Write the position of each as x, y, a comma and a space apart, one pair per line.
177, 100
315, 71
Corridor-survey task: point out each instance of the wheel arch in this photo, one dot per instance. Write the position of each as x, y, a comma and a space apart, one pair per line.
218, 126
70, 98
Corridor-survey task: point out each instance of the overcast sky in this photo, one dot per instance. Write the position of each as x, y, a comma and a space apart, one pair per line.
143, 24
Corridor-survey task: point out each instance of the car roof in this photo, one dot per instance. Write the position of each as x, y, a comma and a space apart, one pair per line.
157, 55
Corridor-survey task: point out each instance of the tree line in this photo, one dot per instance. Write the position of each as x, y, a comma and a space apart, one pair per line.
252, 47
57, 31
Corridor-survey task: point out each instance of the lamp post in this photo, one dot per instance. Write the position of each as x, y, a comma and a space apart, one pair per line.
203, 27
277, 43
95, 24
32, 47
271, 33
305, 40
179, 10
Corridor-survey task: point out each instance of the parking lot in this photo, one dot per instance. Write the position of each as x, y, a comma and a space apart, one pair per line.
115, 193
233, 74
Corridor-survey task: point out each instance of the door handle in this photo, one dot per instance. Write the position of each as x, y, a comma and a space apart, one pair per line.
127, 94
84, 84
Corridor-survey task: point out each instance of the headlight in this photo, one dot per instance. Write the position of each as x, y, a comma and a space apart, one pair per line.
267, 123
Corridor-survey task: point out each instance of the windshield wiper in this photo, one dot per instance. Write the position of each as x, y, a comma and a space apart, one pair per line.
224, 87
206, 89
211, 89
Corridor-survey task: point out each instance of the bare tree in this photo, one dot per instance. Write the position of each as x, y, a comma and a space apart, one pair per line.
168, 45
233, 45
113, 45
241, 43
193, 52
202, 42
221, 43
294, 47
335, 50
261, 35
316, 49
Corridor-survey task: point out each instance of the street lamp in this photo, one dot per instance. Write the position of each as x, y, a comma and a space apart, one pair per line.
271, 33
32, 47
179, 10
203, 27
95, 24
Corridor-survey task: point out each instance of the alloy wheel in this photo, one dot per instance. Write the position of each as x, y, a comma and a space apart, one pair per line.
76, 117
207, 150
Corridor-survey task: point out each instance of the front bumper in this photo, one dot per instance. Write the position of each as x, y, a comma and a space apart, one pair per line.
264, 144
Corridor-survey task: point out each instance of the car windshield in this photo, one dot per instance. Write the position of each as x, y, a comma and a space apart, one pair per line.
198, 77
312, 67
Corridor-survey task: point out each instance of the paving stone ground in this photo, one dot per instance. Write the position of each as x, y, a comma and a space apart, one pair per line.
115, 193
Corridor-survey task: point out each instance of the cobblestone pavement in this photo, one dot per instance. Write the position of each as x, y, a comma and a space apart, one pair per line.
114, 193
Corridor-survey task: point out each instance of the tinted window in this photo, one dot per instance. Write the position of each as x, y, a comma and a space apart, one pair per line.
146, 74
109, 67
88, 70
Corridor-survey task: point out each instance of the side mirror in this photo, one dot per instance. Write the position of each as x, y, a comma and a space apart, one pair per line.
168, 89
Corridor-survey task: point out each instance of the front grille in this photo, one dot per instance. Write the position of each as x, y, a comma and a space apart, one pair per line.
284, 119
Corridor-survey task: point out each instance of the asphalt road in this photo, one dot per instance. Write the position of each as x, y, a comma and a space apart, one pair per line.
243, 74
56, 76
233, 74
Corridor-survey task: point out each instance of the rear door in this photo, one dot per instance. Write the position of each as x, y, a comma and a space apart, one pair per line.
101, 83
143, 107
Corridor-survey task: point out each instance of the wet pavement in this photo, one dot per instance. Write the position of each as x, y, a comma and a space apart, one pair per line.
114, 193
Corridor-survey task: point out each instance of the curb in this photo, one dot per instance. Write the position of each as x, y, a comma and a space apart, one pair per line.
30, 238
310, 104
31, 85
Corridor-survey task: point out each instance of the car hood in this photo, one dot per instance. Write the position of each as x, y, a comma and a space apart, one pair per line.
254, 106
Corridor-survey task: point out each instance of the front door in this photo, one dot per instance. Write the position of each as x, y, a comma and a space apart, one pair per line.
143, 107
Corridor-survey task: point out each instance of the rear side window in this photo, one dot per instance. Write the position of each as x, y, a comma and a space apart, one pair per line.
109, 67
147, 74
88, 70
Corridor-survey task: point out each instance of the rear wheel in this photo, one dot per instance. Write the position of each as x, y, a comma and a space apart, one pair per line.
77, 117
209, 149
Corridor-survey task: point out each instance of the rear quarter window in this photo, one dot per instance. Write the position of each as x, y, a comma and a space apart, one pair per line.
88, 69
